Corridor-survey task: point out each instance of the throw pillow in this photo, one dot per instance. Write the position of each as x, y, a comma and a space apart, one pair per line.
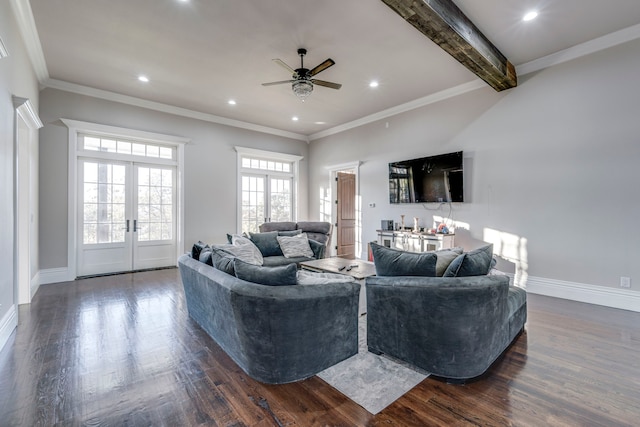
284, 275
244, 249
313, 278
223, 260
445, 257
205, 256
289, 233
267, 243
473, 263
393, 262
197, 248
295, 246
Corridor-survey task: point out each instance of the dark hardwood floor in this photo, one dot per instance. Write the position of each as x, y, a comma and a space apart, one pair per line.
121, 351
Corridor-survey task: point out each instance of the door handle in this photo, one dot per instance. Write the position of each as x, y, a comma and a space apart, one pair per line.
135, 225
127, 226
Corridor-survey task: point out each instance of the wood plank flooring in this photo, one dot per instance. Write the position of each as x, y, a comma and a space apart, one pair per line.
122, 351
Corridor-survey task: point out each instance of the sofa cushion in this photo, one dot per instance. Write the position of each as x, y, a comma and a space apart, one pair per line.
295, 246
267, 242
222, 260
445, 257
272, 261
473, 263
284, 275
393, 262
277, 226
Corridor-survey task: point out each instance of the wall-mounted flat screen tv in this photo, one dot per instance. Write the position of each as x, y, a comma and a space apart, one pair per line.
434, 179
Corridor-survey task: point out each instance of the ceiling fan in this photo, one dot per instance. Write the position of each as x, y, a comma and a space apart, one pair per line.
302, 80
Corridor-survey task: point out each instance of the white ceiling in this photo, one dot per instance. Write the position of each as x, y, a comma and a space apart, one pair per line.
199, 54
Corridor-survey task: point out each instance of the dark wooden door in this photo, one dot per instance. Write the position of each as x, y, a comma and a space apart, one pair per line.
346, 212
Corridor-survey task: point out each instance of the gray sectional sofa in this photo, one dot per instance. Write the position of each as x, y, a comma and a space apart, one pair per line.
276, 334
453, 327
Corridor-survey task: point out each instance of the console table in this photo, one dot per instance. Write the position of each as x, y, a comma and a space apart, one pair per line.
414, 241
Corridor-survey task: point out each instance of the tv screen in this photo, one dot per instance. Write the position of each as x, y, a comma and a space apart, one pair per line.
434, 179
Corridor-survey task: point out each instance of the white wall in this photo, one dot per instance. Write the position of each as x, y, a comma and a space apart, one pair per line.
210, 166
551, 168
16, 79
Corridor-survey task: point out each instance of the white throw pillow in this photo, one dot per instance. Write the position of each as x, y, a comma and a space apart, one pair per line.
245, 250
312, 278
295, 246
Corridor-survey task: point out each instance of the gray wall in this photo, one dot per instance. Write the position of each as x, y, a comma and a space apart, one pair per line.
210, 166
551, 168
16, 78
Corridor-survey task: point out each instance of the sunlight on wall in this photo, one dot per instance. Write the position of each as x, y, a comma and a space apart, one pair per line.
512, 248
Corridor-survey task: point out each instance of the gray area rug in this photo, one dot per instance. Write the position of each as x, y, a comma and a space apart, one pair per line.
373, 382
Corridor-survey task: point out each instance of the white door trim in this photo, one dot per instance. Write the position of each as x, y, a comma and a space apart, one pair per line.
76, 127
333, 173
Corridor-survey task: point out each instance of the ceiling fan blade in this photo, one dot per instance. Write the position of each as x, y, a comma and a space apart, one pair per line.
278, 83
326, 84
283, 65
326, 64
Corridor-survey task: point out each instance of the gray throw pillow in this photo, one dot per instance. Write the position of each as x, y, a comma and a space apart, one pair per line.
393, 262
473, 263
267, 243
222, 260
205, 256
289, 233
295, 246
284, 275
445, 257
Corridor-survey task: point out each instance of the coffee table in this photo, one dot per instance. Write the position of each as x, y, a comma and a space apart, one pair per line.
361, 269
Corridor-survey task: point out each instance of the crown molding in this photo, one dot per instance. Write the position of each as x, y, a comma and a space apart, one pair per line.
24, 107
583, 49
165, 108
27, 25
3, 49
412, 105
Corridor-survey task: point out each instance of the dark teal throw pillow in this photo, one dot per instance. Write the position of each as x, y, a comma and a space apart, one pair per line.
283, 275
473, 263
267, 243
394, 262
197, 248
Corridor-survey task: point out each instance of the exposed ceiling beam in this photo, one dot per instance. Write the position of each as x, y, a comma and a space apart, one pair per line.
445, 24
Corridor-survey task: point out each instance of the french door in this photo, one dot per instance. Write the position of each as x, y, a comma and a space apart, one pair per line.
265, 198
126, 216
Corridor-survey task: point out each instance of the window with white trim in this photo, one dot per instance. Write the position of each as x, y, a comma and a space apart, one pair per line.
267, 187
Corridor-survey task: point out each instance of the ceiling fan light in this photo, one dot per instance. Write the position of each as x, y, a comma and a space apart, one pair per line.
302, 88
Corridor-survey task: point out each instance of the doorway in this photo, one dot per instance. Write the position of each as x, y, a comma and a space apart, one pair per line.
346, 211
126, 216
346, 215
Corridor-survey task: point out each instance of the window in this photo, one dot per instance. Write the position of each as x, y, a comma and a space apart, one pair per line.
132, 148
267, 187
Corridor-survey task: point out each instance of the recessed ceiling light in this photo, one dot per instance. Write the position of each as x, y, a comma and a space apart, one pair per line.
294, 118
530, 16
321, 123
144, 79
373, 83
231, 102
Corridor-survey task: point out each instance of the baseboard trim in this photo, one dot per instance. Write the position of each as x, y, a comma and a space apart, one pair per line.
35, 284
8, 323
609, 297
54, 275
